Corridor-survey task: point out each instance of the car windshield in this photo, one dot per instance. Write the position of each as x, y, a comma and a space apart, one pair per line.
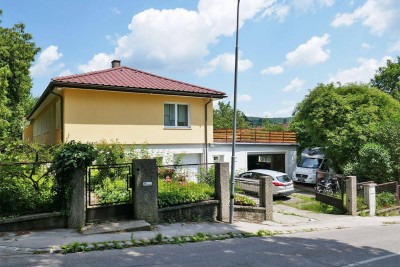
309, 163
283, 179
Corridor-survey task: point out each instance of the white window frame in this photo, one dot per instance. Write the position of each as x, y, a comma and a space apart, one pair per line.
176, 116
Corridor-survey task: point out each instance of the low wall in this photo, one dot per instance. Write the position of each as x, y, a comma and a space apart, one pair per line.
202, 211
40, 221
249, 214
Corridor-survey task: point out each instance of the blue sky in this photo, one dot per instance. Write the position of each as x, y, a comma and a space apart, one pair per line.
286, 47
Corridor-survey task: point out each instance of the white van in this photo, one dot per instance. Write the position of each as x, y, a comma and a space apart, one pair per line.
312, 159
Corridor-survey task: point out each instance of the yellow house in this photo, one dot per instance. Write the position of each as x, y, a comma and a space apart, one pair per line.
124, 105
133, 107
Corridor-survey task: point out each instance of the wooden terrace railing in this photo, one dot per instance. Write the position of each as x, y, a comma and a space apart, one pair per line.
256, 136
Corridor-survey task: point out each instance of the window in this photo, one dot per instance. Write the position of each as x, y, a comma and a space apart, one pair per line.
176, 115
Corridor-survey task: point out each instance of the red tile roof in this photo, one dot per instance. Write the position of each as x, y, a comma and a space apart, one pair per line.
128, 79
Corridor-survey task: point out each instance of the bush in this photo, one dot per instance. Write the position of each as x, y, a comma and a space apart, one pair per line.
112, 191
207, 176
244, 201
172, 193
385, 200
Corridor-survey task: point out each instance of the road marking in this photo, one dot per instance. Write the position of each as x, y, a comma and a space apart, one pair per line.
372, 260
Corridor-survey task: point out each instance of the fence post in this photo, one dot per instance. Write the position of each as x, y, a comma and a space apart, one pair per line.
351, 195
266, 196
145, 191
222, 190
370, 197
76, 216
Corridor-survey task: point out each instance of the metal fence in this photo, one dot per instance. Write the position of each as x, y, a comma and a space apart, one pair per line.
330, 189
387, 194
27, 188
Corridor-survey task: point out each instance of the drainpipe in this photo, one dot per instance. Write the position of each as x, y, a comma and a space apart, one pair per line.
62, 117
206, 130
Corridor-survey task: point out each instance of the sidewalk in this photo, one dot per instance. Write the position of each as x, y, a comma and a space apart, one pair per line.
286, 220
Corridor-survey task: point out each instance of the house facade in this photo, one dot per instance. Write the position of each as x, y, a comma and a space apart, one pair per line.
133, 107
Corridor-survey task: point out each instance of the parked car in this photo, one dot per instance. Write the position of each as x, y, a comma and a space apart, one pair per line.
250, 181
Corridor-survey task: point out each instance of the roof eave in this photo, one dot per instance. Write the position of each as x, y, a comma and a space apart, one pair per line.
53, 84
135, 90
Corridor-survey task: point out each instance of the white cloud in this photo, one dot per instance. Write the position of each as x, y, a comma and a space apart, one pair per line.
310, 53
277, 11
272, 70
66, 73
305, 5
295, 85
363, 73
244, 98
99, 61
378, 15
395, 47
226, 62
178, 38
45, 64
366, 46
285, 112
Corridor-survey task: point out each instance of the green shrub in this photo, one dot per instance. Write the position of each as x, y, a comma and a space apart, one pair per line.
385, 200
207, 176
112, 191
244, 201
174, 193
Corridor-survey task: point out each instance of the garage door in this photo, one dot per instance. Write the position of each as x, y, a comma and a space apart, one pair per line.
190, 170
274, 162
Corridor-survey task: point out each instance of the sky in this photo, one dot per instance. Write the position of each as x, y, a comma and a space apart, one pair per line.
286, 47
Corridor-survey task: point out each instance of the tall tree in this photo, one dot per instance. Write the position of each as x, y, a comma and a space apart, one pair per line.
387, 78
342, 119
17, 52
223, 117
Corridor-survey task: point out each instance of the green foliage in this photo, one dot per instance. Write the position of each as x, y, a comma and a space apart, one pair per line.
207, 176
385, 200
244, 201
26, 183
270, 126
172, 193
341, 119
112, 191
17, 52
71, 156
223, 117
387, 78
388, 135
372, 163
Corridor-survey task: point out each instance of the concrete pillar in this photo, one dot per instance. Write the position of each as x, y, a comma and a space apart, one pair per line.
145, 190
266, 196
76, 199
370, 197
222, 192
351, 195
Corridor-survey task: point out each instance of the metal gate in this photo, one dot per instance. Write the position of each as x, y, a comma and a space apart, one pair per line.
109, 192
330, 189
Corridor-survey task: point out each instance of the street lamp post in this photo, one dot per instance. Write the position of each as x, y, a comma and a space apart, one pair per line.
233, 159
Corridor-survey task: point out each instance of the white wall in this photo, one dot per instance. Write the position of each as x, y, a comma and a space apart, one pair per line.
225, 151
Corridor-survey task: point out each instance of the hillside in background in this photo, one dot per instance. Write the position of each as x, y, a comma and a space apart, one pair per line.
258, 121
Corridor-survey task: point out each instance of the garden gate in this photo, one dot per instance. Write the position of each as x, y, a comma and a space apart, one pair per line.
109, 192
330, 189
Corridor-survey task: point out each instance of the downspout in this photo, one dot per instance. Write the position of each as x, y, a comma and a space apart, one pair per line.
62, 115
206, 131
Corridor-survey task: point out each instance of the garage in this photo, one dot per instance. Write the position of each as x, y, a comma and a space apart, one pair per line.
274, 162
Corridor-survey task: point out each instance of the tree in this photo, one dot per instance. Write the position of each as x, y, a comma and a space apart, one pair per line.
223, 117
387, 78
342, 119
270, 126
17, 52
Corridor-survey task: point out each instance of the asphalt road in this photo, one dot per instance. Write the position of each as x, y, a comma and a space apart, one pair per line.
367, 246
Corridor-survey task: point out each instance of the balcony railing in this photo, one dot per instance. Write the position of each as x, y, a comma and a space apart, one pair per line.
255, 136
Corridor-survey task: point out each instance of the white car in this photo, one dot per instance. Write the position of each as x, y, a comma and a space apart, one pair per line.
249, 181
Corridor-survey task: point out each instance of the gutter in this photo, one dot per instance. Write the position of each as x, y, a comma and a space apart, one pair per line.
206, 130
62, 113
